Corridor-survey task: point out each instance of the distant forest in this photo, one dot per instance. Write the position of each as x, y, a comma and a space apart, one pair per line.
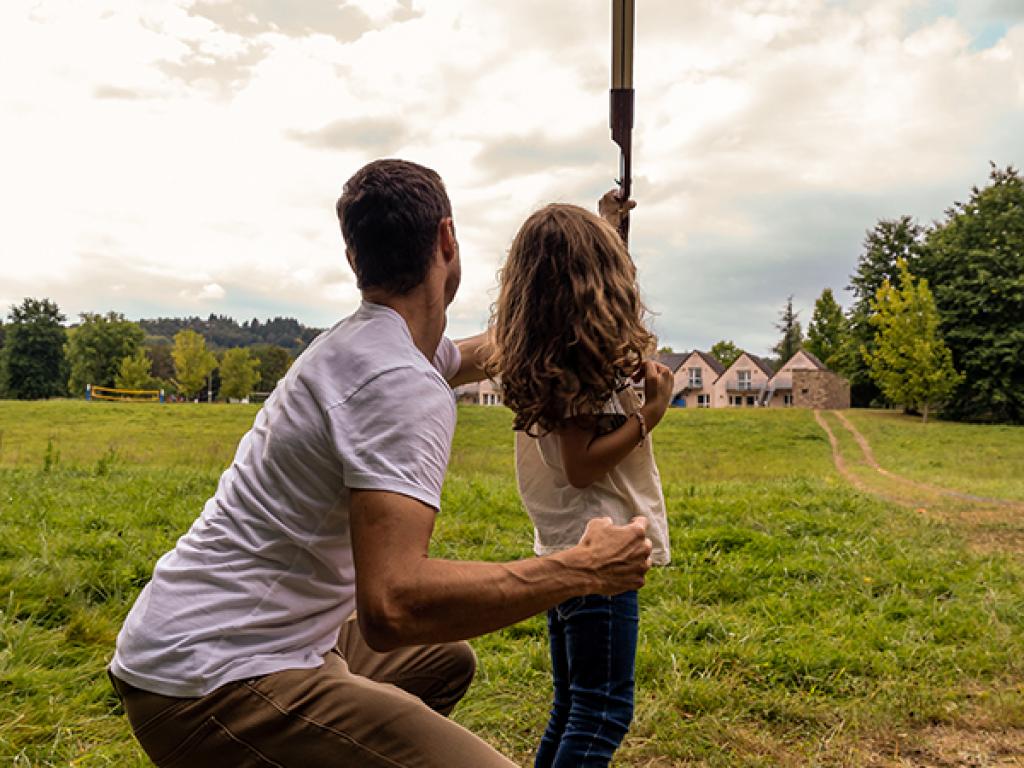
223, 332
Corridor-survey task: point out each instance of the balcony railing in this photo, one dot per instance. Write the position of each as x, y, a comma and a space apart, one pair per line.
744, 385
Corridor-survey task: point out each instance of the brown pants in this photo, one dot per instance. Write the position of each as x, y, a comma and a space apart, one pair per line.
360, 709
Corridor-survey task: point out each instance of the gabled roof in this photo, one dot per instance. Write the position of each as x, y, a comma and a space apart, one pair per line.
672, 359
814, 361
765, 368
810, 356
713, 362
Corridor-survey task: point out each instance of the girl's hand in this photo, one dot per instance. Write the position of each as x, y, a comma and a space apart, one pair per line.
658, 386
612, 209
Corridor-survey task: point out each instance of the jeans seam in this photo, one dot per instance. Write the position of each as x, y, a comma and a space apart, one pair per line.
323, 726
607, 677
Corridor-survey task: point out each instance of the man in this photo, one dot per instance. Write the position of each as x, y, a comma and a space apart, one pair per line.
243, 648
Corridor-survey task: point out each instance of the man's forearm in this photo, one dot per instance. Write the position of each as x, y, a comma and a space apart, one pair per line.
404, 597
445, 600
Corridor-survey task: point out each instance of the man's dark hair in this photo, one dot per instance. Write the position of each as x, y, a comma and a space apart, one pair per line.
389, 211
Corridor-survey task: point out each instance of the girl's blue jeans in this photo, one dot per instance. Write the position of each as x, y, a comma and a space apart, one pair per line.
593, 662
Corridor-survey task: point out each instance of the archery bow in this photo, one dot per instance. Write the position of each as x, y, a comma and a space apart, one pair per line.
621, 99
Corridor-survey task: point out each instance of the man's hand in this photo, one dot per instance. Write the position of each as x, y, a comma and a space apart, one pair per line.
618, 555
658, 386
612, 209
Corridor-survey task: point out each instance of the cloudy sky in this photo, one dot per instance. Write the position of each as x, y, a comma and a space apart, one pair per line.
174, 157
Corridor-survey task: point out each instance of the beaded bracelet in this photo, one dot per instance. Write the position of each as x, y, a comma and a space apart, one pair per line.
643, 426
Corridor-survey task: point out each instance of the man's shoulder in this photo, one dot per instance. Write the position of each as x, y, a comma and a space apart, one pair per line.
360, 354
402, 391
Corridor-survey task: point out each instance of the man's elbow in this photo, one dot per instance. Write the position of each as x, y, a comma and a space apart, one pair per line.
385, 624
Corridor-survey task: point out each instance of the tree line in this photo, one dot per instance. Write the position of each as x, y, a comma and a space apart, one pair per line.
40, 357
223, 332
937, 317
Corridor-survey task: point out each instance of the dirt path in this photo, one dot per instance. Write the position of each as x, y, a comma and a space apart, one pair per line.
988, 524
901, 490
842, 469
869, 457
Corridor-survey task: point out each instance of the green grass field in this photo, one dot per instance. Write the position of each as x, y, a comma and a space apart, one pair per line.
800, 623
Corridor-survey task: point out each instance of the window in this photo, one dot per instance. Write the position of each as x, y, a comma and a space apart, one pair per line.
787, 399
743, 379
703, 401
696, 378
750, 399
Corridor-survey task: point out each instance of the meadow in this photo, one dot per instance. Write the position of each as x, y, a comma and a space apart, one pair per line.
802, 621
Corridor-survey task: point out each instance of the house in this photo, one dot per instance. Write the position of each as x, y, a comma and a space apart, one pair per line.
805, 382
701, 381
743, 384
695, 374
484, 392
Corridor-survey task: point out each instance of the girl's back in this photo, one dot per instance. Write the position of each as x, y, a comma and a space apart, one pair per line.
569, 336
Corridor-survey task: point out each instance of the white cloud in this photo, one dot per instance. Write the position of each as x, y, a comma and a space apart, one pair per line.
210, 291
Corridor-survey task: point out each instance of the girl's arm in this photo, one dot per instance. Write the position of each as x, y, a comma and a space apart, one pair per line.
473, 352
587, 457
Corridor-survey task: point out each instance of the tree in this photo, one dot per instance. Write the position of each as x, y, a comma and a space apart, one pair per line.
193, 362
239, 372
910, 362
792, 335
274, 362
33, 364
827, 329
975, 263
159, 351
725, 352
889, 241
96, 348
134, 371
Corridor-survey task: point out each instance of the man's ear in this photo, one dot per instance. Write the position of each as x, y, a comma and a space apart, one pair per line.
446, 238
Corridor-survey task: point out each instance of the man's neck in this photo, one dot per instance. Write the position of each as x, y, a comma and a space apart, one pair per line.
423, 313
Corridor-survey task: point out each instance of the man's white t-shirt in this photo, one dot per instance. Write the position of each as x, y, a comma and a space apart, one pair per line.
264, 579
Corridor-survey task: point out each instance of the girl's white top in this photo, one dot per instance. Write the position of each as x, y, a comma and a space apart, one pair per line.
560, 512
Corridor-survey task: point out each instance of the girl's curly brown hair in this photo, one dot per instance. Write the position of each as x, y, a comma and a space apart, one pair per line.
568, 323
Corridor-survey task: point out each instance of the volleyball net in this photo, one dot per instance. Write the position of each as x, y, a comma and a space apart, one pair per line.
114, 394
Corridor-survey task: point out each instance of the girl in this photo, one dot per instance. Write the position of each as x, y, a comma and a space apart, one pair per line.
568, 337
